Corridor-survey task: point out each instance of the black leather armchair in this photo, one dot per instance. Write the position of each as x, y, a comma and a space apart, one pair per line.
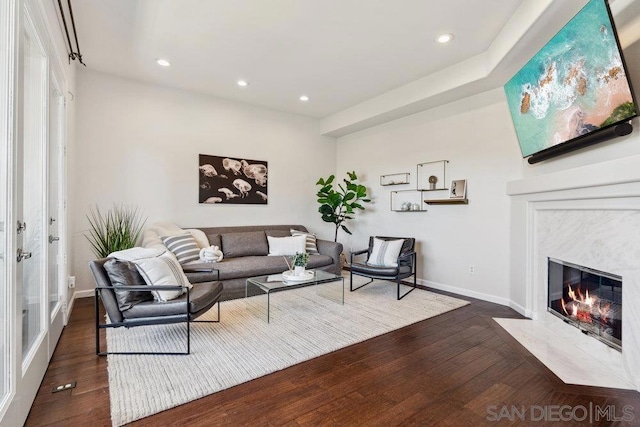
406, 267
186, 308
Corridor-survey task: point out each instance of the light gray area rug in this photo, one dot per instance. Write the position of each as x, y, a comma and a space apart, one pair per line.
243, 346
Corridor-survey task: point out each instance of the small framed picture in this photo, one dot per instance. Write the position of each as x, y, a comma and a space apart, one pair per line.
458, 189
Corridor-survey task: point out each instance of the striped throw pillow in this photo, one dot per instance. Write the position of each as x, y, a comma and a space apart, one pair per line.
163, 270
385, 252
311, 245
184, 247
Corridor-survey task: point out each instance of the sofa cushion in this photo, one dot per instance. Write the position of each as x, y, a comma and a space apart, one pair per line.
251, 243
287, 246
233, 268
277, 233
214, 240
123, 274
200, 296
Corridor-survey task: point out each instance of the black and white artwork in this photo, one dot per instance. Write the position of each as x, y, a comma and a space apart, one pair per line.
458, 189
232, 181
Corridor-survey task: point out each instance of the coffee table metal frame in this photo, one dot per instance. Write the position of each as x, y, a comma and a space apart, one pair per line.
263, 283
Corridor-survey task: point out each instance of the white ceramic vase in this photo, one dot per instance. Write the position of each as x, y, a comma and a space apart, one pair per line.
298, 270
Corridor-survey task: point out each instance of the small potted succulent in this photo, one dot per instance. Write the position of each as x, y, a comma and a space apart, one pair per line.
299, 262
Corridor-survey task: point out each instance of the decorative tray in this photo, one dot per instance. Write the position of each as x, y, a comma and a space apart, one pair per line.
290, 276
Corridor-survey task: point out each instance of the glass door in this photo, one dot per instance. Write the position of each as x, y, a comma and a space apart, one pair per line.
55, 268
31, 190
32, 134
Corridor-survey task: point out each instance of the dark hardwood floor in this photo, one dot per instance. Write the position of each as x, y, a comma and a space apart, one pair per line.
457, 369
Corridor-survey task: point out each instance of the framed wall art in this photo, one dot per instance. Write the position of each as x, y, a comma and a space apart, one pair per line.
227, 180
458, 189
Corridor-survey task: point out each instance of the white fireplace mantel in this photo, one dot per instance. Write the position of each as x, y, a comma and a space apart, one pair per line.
588, 216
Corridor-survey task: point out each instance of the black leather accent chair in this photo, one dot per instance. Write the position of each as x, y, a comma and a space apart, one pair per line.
147, 311
406, 267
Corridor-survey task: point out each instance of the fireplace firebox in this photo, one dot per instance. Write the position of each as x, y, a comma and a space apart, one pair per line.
589, 299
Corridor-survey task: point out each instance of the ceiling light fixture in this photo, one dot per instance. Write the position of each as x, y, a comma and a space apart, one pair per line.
304, 98
444, 38
163, 62
243, 83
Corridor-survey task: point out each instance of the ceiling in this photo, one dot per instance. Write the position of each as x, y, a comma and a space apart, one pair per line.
341, 53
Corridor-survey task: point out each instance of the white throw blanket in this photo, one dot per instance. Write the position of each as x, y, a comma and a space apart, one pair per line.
151, 235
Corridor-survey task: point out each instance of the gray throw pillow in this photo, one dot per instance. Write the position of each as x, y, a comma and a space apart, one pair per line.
214, 239
252, 243
123, 274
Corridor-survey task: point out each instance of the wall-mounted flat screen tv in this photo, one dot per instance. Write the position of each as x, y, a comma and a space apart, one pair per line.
574, 86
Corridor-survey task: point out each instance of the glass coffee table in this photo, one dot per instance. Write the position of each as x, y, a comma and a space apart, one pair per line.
260, 289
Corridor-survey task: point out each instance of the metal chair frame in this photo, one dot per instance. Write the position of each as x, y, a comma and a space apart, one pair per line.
186, 317
407, 255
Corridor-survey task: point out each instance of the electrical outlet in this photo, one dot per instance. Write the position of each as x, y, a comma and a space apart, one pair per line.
472, 270
72, 282
63, 387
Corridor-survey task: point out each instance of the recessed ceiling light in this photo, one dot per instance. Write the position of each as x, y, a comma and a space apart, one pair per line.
444, 38
304, 98
243, 83
163, 62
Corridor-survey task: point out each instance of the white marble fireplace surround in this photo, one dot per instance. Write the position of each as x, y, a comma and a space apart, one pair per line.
588, 216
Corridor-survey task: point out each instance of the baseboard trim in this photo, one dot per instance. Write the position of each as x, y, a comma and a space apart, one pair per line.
426, 284
466, 292
83, 294
520, 309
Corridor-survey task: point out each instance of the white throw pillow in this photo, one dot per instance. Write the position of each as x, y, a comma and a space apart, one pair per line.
385, 252
287, 245
163, 270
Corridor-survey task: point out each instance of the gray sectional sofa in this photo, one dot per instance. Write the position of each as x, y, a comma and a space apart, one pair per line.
246, 252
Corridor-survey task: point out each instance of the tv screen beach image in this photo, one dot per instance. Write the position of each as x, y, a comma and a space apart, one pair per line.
574, 85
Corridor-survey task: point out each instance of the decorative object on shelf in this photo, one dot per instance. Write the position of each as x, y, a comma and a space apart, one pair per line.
118, 229
407, 201
395, 179
338, 206
458, 189
226, 180
432, 182
432, 176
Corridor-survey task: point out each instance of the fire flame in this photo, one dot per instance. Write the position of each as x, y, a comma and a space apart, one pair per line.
584, 307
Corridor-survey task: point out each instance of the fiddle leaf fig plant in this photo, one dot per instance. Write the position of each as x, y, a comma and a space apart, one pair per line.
339, 202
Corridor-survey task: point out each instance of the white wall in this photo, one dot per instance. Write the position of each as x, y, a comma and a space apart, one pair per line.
139, 144
477, 138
